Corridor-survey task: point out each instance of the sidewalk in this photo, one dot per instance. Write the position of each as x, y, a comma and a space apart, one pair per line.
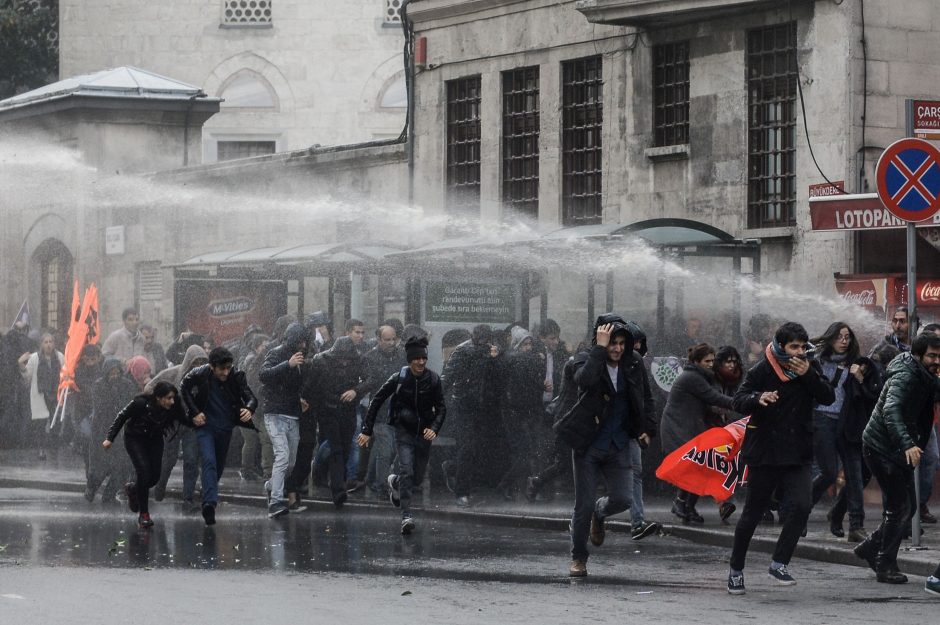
21, 469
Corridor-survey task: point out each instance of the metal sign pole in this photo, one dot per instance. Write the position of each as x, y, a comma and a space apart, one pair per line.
912, 319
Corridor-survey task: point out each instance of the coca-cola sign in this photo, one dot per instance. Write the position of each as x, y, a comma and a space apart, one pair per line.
930, 292
865, 293
860, 298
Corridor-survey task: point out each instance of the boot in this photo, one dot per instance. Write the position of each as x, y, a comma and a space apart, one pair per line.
886, 570
678, 509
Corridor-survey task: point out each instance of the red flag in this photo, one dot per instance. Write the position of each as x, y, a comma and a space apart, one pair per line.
709, 463
78, 335
90, 315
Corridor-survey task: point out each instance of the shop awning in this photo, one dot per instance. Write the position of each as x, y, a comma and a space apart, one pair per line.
326, 257
663, 232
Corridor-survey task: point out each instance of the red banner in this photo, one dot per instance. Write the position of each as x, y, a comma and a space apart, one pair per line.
709, 463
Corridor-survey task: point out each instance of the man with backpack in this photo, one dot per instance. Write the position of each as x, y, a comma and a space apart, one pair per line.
417, 413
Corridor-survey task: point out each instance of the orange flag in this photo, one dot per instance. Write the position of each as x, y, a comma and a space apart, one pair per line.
709, 463
90, 315
78, 338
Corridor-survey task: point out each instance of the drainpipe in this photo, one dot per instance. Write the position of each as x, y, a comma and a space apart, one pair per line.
408, 28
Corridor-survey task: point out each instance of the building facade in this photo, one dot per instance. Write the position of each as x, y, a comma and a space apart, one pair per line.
291, 73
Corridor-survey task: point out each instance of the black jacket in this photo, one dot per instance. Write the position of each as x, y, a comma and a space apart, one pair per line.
379, 365
109, 397
688, 409
590, 374
144, 418
418, 404
281, 383
860, 399
781, 434
525, 384
332, 373
194, 394
472, 375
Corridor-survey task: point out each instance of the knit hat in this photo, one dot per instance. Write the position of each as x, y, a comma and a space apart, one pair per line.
416, 347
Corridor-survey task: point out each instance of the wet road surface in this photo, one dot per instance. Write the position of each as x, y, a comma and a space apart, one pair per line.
61, 557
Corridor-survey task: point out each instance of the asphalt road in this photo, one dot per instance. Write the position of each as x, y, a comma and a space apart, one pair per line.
65, 561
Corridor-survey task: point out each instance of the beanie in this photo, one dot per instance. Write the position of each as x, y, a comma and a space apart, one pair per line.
416, 347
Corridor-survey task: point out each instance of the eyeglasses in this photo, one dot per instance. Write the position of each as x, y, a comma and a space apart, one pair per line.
844, 338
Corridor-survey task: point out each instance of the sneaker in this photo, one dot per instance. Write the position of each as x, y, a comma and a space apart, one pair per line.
782, 575
768, 518
858, 535
393, 494
295, 505
407, 526
532, 486
736, 583
933, 585
131, 493
277, 509
208, 513
578, 568
598, 531
925, 516
644, 529
450, 480
463, 501
144, 521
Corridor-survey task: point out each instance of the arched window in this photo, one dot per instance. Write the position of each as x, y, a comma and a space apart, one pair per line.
248, 90
395, 95
54, 263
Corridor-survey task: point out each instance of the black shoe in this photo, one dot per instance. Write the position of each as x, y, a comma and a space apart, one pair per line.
768, 518
393, 494
782, 575
736, 584
295, 504
407, 526
159, 492
340, 499
277, 509
89, 494
891, 577
865, 551
835, 526
144, 521
131, 493
208, 513
725, 510
678, 509
925, 516
694, 517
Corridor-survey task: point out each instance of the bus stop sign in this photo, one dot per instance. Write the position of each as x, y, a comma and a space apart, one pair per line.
909, 179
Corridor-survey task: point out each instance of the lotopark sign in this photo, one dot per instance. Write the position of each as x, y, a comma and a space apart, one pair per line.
857, 212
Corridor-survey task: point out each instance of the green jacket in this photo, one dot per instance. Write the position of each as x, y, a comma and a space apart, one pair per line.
903, 416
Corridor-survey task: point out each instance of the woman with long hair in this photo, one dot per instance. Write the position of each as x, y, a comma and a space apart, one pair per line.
688, 413
837, 350
728, 372
146, 420
41, 371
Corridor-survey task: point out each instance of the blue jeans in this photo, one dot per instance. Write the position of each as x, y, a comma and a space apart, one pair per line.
637, 515
380, 460
213, 447
928, 467
615, 467
284, 432
413, 455
826, 453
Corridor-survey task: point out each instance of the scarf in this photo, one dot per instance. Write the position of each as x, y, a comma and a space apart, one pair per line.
776, 356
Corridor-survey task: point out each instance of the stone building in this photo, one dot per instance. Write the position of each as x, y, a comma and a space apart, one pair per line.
291, 73
570, 114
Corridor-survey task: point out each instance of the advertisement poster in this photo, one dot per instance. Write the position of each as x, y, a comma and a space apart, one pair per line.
223, 309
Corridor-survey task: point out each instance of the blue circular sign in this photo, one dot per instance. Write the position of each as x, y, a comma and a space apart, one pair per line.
908, 176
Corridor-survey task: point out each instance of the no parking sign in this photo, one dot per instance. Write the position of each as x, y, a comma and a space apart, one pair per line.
909, 179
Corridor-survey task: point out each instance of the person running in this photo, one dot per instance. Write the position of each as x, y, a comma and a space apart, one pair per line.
216, 398
145, 420
779, 393
417, 414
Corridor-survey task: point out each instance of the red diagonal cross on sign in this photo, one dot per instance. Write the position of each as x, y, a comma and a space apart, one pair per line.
913, 180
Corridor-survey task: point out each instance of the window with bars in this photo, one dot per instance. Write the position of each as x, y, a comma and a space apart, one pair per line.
582, 122
246, 12
521, 141
671, 94
772, 90
231, 150
393, 11
463, 145
55, 274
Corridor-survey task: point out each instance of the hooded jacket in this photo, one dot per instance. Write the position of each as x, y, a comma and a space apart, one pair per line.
417, 402
590, 374
281, 384
860, 400
110, 396
174, 375
903, 416
525, 376
379, 365
144, 418
332, 373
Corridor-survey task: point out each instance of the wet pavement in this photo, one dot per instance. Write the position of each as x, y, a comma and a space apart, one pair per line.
63, 558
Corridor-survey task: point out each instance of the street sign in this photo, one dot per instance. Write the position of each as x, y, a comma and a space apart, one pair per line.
926, 119
908, 176
863, 211
826, 190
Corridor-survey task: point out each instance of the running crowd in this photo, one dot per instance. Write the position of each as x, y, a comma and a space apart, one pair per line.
521, 413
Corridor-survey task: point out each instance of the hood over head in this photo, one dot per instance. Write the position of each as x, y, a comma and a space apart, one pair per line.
139, 368
620, 327
294, 335
344, 348
519, 335
193, 353
111, 363
638, 335
482, 335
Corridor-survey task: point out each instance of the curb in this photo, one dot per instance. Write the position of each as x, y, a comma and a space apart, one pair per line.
809, 551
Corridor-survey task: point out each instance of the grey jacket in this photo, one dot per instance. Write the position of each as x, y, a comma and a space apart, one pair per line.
687, 413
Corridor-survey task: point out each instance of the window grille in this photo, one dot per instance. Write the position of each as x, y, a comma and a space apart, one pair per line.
582, 122
231, 150
772, 90
246, 12
521, 140
671, 94
149, 282
463, 144
393, 11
